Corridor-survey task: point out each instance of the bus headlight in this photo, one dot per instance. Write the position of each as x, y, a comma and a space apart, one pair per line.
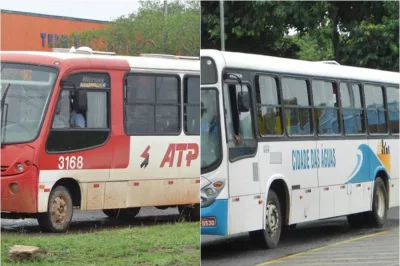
210, 192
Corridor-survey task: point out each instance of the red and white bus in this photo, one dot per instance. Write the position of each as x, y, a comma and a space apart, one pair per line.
99, 132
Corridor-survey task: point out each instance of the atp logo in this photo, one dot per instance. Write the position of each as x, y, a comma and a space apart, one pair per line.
146, 156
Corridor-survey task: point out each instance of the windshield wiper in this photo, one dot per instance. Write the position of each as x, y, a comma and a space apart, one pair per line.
4, 115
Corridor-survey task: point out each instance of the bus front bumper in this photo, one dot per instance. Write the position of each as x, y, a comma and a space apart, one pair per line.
214, 218
19, 192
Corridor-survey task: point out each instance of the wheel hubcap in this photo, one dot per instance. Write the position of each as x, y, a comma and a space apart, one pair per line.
272, 219
380, 203
59, 211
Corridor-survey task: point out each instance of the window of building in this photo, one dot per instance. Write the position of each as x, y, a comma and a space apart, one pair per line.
191, 105
393, 108
326, 107
152, 104
297, 108
376, 112
353, 113
269, 110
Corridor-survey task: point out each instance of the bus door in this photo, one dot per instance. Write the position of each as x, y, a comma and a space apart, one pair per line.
79, 145
244, 183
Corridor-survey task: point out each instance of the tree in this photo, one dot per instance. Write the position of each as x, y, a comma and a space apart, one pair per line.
148, 31
325, 30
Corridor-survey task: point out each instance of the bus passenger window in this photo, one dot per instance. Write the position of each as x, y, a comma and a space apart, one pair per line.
152, 104
269, 110
326, 107
191, 102
353, 113
376, 112
393, 108
297, 107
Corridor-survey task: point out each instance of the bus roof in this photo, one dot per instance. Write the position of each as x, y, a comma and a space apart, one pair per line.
153, 61
300, 67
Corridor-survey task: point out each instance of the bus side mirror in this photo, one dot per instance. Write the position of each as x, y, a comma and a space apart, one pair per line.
243, 101
80, 101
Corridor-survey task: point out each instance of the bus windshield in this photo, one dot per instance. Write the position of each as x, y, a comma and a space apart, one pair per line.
210, 129
25, 92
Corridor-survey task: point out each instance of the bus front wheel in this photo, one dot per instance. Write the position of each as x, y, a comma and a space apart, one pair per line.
270, 236
58, 217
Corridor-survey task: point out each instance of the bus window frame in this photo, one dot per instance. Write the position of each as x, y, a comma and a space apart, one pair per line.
338, 108
280, 104
184, 80
180, 102
255, 136
386, 99
311, 106
364, 116
108, 92
383, 89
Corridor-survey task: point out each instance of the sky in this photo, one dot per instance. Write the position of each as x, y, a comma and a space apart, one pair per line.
89, 9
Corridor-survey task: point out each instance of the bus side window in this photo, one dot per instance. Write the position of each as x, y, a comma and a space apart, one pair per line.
376, 112
269, 109
297, 109
393, 108
353, 113
152, 104
81, 117
191, 101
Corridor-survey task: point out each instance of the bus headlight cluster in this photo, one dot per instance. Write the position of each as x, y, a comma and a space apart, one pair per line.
210, 192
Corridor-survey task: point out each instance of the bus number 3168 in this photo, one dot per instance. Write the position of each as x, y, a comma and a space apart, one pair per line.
70, 162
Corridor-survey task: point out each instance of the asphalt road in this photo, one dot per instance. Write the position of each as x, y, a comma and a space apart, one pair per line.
86, 221
239, 250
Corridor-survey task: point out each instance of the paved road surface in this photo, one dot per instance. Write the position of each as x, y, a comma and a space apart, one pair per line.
239, 250
94, 220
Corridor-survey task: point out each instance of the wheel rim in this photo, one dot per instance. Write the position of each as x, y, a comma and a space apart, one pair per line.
59, 211
272, 219
380, 208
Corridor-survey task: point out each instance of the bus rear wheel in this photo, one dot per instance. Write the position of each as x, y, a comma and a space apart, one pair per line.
378, 215
190, 213
59, 213
122, 214
269, 237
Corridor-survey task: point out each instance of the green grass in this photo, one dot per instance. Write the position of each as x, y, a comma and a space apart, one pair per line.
168, 244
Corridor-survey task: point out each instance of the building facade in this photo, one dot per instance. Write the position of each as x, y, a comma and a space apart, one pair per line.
37, 32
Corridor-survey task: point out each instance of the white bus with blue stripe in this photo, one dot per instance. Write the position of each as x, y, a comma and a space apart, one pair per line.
287, 141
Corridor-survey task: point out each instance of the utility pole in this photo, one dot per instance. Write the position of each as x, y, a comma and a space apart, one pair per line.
165, 26
222, 24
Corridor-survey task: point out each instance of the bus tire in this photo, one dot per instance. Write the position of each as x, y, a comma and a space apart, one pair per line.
190, 213
269, 238
378, 215
59, 213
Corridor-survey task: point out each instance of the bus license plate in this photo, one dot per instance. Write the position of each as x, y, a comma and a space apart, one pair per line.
208, 222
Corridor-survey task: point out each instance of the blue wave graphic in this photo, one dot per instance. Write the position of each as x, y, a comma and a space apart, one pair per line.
370, 165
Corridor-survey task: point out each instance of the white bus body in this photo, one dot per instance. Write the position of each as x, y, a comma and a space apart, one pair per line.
316, 170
